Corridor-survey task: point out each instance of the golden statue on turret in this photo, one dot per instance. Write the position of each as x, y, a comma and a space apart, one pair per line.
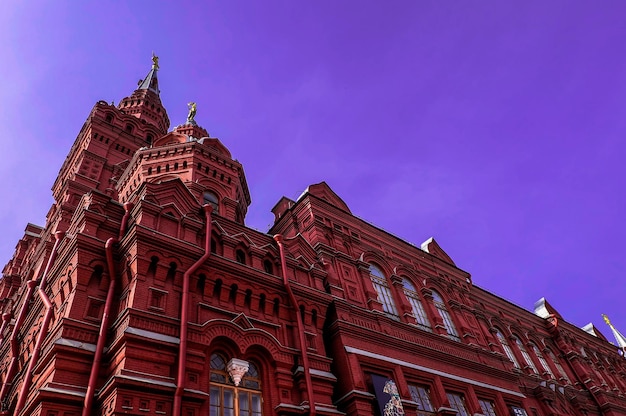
192, 113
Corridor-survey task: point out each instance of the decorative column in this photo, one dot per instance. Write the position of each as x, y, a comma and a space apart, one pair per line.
237, 369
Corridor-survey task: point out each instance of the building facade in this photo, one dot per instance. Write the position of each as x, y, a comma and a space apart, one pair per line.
146, 294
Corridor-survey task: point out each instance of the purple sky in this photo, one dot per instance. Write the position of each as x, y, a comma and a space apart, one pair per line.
497, 129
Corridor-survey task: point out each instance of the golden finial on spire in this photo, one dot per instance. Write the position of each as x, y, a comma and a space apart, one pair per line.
155, 61
606, 319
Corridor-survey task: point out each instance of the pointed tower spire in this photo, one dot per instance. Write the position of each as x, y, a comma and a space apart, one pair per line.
145, 101
151, 82
621, 339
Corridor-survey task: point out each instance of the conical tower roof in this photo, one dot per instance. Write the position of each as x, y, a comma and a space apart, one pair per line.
145, 102
151, 82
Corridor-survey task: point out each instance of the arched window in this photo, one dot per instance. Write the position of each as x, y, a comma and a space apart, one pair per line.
447, 319
542, 360
416, 305
527, 358
231, 393
210, 198
379, 281
559, 367
507, 348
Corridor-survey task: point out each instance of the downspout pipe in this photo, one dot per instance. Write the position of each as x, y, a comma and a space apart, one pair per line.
109, 246
15, 348
294, 303
184, 315
43, 332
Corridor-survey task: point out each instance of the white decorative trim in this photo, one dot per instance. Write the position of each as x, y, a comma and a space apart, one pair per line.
430, 370
62, 391
359, 392
328, 410
321, 373
152, 335
146, 380
76, 344
313, 371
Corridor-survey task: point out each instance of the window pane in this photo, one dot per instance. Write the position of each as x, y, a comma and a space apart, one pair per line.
214, 400
211, 199
421, 396
457, 402
542, 360
217, 362
416, 305
518, 411
507, 350
244, 404
559, 366
447, 320
379, 281
256, 404
525, 354
229, 402
487, 407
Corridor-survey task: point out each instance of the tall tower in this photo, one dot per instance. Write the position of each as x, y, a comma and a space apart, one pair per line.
54, 294
107, 141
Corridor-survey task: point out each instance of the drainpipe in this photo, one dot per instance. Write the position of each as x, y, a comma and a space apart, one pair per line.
43, 332
294, 304
15, 348
95, 366
184, 314
6, 318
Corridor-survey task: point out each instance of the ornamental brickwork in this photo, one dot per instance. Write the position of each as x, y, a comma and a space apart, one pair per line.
146, 294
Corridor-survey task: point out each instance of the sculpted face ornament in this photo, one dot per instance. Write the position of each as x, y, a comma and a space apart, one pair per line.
237, 369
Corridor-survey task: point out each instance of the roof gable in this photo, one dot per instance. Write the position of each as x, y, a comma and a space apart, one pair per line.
431, 247
322, 191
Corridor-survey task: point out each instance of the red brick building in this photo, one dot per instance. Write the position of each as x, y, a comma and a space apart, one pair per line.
146, 294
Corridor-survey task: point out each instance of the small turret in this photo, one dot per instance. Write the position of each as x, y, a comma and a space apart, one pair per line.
201, 162
145, 102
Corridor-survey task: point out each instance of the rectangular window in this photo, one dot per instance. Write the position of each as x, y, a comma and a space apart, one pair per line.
421, 396
518, 411
487, 407
457, 402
